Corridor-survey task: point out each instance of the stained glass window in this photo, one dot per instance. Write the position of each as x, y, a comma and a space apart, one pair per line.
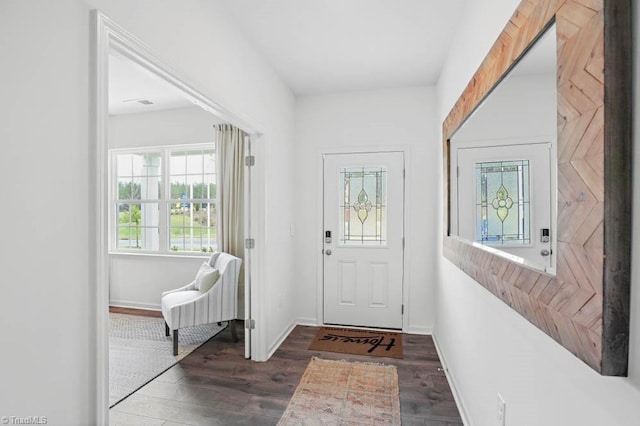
363, 206
502, 203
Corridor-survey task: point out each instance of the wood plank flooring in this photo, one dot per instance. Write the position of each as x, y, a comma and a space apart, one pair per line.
215, 385
133, 311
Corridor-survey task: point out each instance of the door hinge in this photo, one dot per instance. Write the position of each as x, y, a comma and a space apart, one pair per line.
404, 173
250, 160
250, 324
402, 310
249, 243
402, 242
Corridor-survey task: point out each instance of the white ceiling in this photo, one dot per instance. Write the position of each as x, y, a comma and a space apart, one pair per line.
341, 45
318, 46
130, 83
327, 46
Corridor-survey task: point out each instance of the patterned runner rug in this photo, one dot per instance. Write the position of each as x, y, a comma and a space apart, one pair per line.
345, 393
358, 342
139, 351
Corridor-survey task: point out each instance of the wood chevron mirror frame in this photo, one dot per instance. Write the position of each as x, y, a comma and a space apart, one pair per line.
585, 306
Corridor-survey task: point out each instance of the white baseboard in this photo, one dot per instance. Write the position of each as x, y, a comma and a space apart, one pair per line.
310, 322
276, 344
134, 305
419, 330
313, 322
452, 384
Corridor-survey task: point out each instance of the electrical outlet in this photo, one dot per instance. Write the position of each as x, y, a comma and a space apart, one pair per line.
502, 407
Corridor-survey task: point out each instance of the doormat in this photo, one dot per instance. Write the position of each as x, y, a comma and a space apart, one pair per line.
358, 342
345, 393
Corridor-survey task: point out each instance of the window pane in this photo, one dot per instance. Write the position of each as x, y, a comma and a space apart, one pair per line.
137, 164
192, 175
139, 176
136, 188
124, 189
502, 203
137, 226
209, 162
124, 164
209, 179
141, 162
177, 164
363, 206
150, 188
195, 162
179, 188
192, 227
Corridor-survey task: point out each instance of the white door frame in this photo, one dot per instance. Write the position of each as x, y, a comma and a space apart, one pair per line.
320, 224
109, 35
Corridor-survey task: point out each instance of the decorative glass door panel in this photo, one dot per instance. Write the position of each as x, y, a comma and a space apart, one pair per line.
502, 203
363, 207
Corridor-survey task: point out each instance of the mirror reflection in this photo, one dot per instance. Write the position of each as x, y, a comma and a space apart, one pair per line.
503, 163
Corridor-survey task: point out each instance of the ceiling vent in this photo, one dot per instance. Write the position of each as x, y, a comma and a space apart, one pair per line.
140, 101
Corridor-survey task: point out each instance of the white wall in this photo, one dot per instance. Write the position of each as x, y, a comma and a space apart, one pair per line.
137, 281
48, 338
158, 128
487, 347
401, 118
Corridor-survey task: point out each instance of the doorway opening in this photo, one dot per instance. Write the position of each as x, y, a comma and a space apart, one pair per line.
139, 101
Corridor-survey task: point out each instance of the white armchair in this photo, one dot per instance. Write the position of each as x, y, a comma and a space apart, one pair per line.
202, 302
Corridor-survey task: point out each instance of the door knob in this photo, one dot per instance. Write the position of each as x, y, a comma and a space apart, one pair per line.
328, 251
545, 252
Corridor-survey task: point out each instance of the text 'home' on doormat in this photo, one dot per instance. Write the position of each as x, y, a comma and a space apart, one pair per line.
358, 342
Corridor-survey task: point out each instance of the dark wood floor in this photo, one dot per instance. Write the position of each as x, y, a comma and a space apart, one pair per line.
133, 311
215, 385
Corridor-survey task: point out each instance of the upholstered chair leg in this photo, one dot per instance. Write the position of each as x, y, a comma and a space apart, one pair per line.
234, 334
175, 342
166, 329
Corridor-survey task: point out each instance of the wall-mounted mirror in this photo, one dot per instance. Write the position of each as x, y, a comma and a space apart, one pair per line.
499, 225
503, 192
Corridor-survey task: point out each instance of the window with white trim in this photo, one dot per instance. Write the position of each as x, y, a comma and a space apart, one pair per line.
164, 199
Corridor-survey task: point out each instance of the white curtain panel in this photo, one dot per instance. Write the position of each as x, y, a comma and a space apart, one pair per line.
230, 143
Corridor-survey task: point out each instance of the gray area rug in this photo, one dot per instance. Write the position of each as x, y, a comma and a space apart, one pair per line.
139, 351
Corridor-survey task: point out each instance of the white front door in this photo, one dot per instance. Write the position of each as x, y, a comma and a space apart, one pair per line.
363, 239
